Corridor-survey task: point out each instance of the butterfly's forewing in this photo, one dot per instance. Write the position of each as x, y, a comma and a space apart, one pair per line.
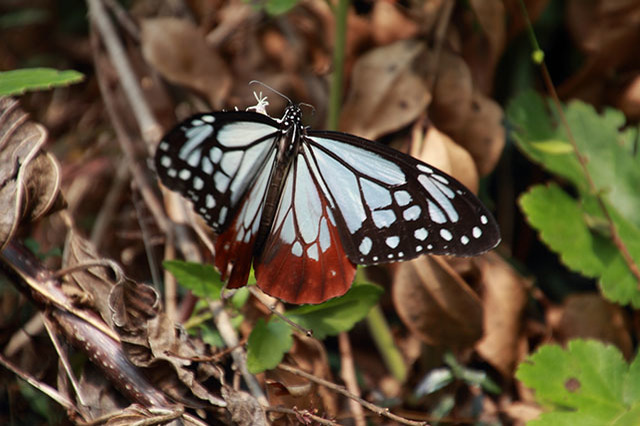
394, 206
303, 260
212, 159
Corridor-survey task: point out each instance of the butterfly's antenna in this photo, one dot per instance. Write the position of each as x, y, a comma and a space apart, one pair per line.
270, 88
313, 109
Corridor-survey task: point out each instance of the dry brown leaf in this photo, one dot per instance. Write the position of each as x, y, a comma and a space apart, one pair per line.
385, 93
29, 178
483, 133
452, 93
388, 24
435, 303
504, 298
439, 150
178, 50
588, 315
245, 409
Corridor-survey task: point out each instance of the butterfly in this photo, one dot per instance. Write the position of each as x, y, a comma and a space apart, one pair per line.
305, 206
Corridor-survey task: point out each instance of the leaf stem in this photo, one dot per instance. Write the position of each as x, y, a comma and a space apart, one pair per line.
335, 95
615, 235
383, 339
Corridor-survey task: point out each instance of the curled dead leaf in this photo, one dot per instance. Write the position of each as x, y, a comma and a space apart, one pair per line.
439, 150
452, 93
388, 24
436, 304
483, 133
179, 51
386, 92
504, 297
29, 178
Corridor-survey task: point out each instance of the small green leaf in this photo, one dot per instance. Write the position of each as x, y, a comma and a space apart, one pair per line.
17, 82
589, 383
201, 279
267, 344
339, 314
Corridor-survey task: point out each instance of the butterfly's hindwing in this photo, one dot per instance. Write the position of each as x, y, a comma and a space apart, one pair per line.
396, 207
303, 258
212, 159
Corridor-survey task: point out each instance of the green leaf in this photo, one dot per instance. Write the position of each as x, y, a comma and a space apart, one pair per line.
561, 224
17, 82
589, 383
339, 314
267, 344
201, 279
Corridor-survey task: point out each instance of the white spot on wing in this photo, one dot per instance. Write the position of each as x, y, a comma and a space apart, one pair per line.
312, 252
402, 197
210, 202
464, 240
198, 183
215, 154
296, 249
307, 203
208, 118
325, 238
484, 219
221, 181
425, 169
376, 196
223, 214
435, 213
476, 232
163, 146
207, 166
412, 213
184, 174
421, 234
165, 161
195, 136
440, 198
446, 234
383, 218
392, 241
365, 246
172, 173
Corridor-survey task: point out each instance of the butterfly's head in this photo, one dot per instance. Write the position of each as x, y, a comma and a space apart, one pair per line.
292, 117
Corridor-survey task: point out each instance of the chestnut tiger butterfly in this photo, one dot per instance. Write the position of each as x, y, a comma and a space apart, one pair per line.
305, 206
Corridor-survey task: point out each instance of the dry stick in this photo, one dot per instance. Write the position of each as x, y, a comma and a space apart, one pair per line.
348, 374
344, 392
223, 324
303, 413
124, 19
149, 127
126, 144
592, 186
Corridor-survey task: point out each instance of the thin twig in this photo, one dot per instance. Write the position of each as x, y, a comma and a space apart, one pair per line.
348, 374
305, 414
344, 392
149, 127
272, 308
124, 19
126, 144
228, 334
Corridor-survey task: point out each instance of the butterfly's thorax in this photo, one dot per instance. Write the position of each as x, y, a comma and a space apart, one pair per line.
287, 147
